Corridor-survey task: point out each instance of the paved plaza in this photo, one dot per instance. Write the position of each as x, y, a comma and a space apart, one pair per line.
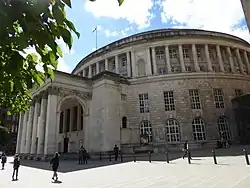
231, 171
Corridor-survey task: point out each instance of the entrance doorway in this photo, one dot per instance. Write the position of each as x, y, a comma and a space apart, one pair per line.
65, 145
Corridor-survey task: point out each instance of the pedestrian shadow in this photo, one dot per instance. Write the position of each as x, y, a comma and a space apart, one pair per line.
57, 182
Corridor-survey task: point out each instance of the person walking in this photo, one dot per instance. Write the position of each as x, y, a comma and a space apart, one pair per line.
16, 165
116, 152
185, 149
81, 155
4, 160
55, 164
85, 156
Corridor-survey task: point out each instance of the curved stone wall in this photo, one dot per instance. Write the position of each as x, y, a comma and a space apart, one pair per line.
169, 52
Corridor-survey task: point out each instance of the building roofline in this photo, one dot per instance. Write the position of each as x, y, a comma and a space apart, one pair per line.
158, 33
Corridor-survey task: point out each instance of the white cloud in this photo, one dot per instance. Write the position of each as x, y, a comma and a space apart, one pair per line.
115, 32
217, 15
134, 11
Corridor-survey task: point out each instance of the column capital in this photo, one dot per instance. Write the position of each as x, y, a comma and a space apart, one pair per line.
43, 94
52, 90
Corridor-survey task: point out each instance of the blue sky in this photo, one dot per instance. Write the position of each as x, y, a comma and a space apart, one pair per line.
135, 16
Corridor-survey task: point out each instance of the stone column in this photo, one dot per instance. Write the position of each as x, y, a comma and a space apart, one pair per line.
231, 62
106, 64
183, 68
97, 67
41, 125
117, 68
196, 64
64, 121
23, 140
149, 68
35, 126
78, 117
19, 134
90, 71
221, 64
133, 63
247, 62
168, 59
83, 73
128, 65
50, 144
154, 61
29, 128
209, 63
239, 60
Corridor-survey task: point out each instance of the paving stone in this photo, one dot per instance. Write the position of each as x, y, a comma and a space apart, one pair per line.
230, 172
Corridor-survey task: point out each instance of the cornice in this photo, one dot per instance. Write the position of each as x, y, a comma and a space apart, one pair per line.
187, 76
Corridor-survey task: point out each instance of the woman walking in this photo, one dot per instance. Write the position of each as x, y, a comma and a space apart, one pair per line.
55, 164
4, 160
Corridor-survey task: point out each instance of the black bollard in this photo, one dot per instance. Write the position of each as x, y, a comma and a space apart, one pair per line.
109, 156
100, 156
149, 156
246, 156
214, 156
121, 157
134, 156
167, 158
189, 156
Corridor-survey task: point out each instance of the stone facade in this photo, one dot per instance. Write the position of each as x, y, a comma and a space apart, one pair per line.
161, 87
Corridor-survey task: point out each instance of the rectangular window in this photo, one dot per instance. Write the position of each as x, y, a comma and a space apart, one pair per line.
123, 97
195, 99
144, 103
238, 92
169, 100
188, 68
198, 51
173, 53
218, 97
93, 70
160, 53
124, 61
185, 53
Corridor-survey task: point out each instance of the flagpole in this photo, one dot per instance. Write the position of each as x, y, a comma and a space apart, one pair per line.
96, 38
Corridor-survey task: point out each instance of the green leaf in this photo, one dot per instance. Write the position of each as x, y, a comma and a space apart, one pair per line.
72, 27
11, 86
67, 2
67, 38
59, 51
120, 2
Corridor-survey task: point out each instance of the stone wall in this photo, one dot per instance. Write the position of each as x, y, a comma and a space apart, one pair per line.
180, 84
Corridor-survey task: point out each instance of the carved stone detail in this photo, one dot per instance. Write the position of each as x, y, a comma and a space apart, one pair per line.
63, 92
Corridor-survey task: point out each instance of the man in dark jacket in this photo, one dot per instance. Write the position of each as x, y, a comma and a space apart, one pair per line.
116, 152
185, 149
4, 160
16, 165
55, 164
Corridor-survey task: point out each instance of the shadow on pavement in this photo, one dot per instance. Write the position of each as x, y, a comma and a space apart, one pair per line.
70, 165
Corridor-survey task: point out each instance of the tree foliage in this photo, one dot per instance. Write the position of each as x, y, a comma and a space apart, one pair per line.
36, 25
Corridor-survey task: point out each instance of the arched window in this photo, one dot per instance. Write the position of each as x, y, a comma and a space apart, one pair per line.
198, 129
172, 131
124, 122
223, 126
146, 130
